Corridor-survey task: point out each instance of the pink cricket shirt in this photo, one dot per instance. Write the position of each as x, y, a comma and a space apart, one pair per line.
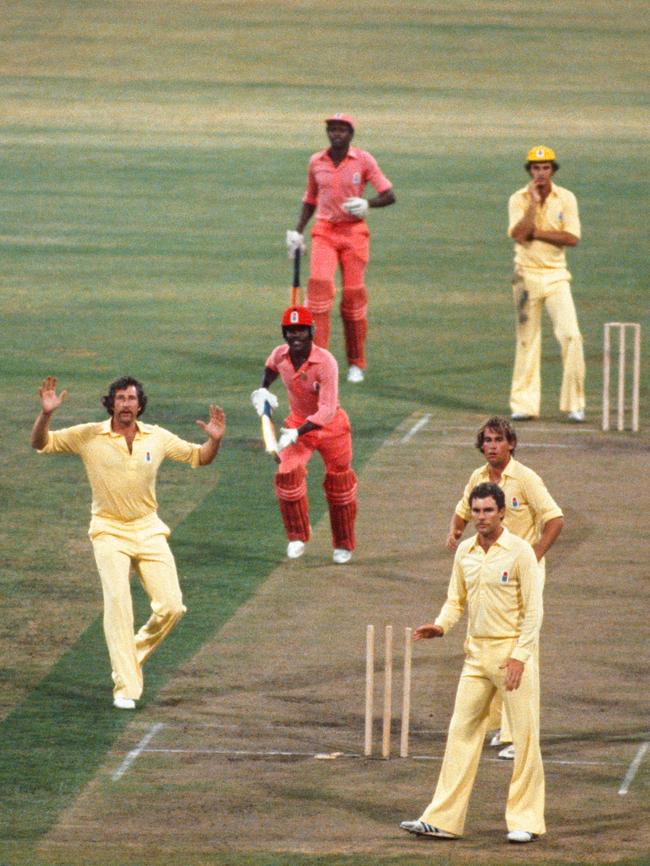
313, 388
328, 185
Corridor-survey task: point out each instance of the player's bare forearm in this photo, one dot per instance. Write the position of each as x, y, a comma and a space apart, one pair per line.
556, 238
456, 529
549, 536
38, 438
268, 377
306, 214
384, 199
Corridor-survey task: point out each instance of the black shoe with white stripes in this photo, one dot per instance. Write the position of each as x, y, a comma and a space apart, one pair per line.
419, 828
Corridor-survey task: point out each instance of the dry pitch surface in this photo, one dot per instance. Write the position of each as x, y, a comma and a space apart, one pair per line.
226, 758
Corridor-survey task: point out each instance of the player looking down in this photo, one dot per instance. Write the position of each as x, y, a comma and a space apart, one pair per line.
336, 179
315, 422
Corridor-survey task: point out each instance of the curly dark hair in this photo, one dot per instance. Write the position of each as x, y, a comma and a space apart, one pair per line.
108, 400
487, 489
498, 425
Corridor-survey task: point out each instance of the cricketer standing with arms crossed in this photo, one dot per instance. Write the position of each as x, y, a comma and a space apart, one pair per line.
336, 178
316, 422
122, 456
531, 513
495, 576
543, 220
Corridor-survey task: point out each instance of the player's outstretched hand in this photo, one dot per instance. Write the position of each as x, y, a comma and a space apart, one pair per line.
261, 396
50, 400
216, 426
424, 632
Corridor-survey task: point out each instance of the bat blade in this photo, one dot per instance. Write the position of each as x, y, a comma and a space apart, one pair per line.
268, 433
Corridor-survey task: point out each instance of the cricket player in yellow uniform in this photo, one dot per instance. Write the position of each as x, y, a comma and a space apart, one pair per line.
122, 456
495, 576
531, 513
543, 220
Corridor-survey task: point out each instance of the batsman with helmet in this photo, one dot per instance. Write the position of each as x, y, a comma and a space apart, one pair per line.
336, 179
316, 422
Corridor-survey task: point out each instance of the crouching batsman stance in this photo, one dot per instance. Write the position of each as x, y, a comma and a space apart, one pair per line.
122, 456
496, 576
315, 422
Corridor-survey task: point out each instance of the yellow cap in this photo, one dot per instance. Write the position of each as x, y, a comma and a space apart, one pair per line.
540, 153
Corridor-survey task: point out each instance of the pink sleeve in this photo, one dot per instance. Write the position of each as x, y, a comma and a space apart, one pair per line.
375, 175
272, 360
328, 395
311, 192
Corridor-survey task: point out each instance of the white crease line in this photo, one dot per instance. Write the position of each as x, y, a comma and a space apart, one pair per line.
633, 768
277, 753
133, 754
424, 420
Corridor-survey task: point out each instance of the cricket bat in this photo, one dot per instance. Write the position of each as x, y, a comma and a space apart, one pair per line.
268, 432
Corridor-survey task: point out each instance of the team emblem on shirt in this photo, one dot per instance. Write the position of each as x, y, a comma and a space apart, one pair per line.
504, 577
303, 377
147, 457
356, 178
515, 502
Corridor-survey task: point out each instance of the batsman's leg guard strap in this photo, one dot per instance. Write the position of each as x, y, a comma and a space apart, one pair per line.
291, 491
320, 300
354, 308
341, 493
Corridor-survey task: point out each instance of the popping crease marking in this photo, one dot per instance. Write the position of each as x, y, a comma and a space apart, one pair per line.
134, 753
633, 768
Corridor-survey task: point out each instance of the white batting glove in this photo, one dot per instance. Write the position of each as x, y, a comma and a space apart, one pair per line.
295, 241
288, 436
262, 396
358, 207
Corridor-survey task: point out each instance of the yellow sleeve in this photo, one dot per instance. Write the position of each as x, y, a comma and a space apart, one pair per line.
570, 218
180, 450
542, 504
531, 596
453, 608
462, 508
517, 205
69, 440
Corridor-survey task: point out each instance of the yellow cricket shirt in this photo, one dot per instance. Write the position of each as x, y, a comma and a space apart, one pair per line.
559, 213
123, 484
501, 589
529, 505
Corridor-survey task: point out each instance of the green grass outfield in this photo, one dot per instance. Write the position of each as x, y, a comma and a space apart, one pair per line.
153, 157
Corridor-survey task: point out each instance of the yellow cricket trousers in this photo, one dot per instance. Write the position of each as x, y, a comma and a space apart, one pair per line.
480, 677
142, 544
498, 717
531, 291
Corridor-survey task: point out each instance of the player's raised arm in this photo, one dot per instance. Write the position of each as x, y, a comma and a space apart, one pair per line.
50, 402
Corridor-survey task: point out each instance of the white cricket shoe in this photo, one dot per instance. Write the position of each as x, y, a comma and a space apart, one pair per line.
495, 739
341, 556
124, 703
521, 416
355, 374
521, 836
576, 417
422, 829
507, 754
295, 549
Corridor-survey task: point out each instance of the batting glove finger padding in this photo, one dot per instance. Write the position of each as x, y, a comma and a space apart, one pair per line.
295, 241
358, 207
288, 436
261, 396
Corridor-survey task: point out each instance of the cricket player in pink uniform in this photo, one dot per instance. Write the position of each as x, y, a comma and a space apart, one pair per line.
315, 422
336, 179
